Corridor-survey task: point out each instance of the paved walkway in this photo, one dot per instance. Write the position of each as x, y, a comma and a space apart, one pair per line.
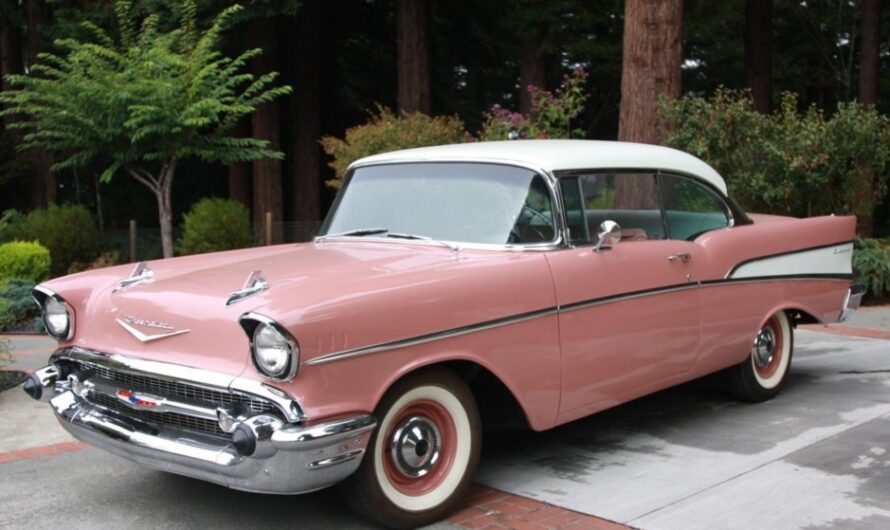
684, 458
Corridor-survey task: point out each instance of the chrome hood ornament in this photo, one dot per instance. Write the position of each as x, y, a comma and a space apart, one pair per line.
128, 324
141, 273
254, 284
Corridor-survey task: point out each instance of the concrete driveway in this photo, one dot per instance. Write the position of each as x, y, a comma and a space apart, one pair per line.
818, 456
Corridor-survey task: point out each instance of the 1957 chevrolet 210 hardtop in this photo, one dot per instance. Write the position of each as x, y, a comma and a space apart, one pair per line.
449, 287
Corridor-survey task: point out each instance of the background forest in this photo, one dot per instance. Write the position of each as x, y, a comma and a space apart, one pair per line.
764, 90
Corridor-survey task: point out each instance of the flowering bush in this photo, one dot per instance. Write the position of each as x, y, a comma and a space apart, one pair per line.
551, 114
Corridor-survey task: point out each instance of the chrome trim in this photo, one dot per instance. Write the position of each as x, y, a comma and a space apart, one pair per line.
422, 339
40, 294
249, 322
506, 321
210, 380
852, 301
163, 403
142, 337
141, 273
253, 285
290, 459
45, 379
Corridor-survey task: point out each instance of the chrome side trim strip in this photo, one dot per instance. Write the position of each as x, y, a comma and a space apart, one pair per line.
574, 306
422, 339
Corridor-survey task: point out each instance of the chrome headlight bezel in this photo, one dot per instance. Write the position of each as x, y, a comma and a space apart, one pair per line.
251, 323
44, 297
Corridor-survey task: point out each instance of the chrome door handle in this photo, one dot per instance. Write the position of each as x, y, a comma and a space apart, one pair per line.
685, 258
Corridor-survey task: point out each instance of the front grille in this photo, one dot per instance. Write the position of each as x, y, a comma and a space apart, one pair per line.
158, 418
165, 388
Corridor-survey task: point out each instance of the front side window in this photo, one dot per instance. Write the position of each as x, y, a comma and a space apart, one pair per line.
629, 199
457, 202
691, 209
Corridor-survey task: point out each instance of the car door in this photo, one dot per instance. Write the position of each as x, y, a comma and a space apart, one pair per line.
628, 315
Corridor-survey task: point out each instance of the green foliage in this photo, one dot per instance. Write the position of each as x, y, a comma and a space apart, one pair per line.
18, 311
871, 258
22, 259
551, 115
5, 357
215, 224
148, 97
68, 231
788, 162
105, 259
11, 225
390, 132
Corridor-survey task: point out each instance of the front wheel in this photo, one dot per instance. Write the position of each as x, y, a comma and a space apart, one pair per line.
423, 455
761, 375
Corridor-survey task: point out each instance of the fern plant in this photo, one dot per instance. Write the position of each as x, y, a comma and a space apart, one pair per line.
140, 101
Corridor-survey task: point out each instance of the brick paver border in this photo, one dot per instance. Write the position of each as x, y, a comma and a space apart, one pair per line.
42, 450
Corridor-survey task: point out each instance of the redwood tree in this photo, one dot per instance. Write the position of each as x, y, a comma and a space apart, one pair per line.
653, 50
758, 52
306, 119
412, 50
869, 52
532, 69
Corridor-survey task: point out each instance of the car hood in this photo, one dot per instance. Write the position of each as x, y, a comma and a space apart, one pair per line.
332, 296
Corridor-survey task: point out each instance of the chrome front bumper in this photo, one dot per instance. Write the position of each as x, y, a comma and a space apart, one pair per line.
282, 456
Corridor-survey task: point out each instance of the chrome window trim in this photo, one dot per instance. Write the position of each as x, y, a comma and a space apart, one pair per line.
177, 373
40, 294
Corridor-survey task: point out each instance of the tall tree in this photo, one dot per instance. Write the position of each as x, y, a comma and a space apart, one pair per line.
412, 56
532, 69
869, 52
142, 103
307, 119
653, 50
758, 52
266, 126
43, 177
239, 172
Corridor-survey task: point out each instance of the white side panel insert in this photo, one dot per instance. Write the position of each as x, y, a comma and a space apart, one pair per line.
828, 260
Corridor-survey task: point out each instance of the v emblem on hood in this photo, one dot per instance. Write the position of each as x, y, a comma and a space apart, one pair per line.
128, 322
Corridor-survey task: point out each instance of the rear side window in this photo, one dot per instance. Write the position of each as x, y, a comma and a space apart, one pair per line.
691, 209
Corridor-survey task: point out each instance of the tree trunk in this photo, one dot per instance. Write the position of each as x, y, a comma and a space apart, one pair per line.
44, 178
265, 126
758, 52
653, 50
161, 186
412, 45
869, 52
239, 172
532, 70
307, 123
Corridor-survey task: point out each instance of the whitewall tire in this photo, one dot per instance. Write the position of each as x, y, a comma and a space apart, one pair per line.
762, 374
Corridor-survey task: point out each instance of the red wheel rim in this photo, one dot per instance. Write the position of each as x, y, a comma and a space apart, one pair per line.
441, 437
773, 328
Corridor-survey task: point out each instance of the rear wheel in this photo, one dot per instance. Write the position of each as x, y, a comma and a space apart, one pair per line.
423, 455
762, 374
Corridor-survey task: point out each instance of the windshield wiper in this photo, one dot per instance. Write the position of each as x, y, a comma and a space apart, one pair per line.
358, 232
399, 235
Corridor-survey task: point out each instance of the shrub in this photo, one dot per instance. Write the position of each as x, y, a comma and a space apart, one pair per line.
18, 311
105, 259
390, 132
68, 232
21, 259
11, 224
215, 224
871, 258
789, 162
551, 114
5, 357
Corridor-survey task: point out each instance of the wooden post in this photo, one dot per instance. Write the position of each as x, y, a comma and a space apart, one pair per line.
132, 240
268, 228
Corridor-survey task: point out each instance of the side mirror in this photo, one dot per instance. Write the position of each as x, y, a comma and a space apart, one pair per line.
608, 235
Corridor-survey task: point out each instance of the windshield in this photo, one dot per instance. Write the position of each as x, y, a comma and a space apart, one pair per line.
459, 202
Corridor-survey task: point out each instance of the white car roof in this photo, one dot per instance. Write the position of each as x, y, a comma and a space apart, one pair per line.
560, 155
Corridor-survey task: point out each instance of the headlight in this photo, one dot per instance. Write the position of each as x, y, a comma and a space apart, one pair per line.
274, 351
58, 317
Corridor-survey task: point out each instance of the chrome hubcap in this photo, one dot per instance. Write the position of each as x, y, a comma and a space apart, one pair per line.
415, 446
764, 347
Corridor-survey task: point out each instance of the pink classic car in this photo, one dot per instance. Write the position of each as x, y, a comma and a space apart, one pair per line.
451, 288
